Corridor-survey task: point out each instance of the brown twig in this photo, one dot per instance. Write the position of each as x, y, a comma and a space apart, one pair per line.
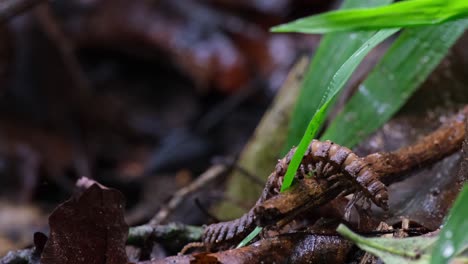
391, 166
305, 194
205, 211
208, 176
243, 171
12, 8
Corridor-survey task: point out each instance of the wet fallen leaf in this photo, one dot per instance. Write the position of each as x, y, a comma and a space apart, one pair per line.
88, 229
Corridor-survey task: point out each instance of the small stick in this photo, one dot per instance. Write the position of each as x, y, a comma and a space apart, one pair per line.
433, 147
165, 234
205, 211
243, 171
212, 173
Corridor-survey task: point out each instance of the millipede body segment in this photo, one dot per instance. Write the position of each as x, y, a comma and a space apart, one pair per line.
235, 230
333, 162
325, 160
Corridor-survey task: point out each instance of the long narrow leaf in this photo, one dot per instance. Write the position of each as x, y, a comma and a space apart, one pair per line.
407, 63
401, 14
454, 235
251, 236
337, 83
410, 250
329, 57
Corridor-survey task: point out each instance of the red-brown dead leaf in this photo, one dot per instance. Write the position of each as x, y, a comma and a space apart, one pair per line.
88, 229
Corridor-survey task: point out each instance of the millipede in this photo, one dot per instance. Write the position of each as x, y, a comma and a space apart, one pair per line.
333, 162
325, 160
235, 230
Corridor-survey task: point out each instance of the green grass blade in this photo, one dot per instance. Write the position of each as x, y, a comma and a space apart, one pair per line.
407, 63
452, 240
454, 235
333, 51
330, 55
336, 84
251, 236
401, 14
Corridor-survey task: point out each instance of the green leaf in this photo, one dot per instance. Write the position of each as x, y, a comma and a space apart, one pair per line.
452, 240
336, 84
251, 236
401, 14
407, 63
454, 236
329, 57
413, 250
333, 51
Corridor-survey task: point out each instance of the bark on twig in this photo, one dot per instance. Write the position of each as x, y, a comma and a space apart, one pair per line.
439, 144
184, 234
